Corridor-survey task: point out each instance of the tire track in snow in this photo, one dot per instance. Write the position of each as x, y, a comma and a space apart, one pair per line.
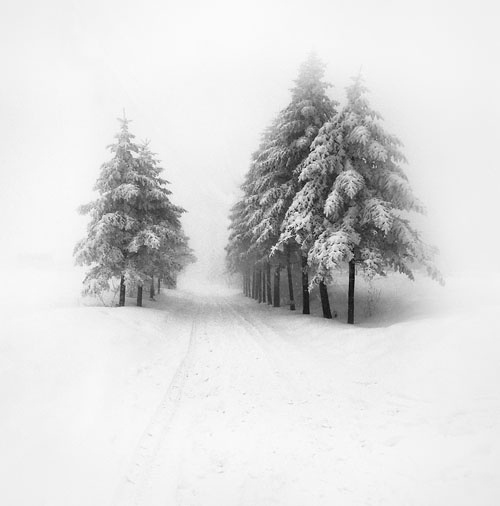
136, 481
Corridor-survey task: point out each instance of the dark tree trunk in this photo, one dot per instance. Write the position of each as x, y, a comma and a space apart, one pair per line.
121, 302
290, 279
305, 287
139, 296
268, 283
159, 284
350, 296
152, 288
325, 303
276, 296
247, 283
253, 283
254, 275
259, 286
263, 285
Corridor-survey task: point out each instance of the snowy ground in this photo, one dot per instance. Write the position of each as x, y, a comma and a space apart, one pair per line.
207, 398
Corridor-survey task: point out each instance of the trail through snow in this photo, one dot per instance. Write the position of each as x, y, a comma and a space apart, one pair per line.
234, 416
254, 417
210, 399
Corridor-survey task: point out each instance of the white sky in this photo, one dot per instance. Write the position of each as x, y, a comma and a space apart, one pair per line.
203, 79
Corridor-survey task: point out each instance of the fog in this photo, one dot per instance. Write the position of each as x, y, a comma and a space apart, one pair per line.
202, 80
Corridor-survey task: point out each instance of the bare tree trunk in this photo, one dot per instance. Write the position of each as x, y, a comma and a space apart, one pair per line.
152, 289
159, 284
276, 296
268, 283
139, 295
247, 282
350, 296
290, 279
254, 283
325, 303
259, 285
263, 286
121, 301
305, 287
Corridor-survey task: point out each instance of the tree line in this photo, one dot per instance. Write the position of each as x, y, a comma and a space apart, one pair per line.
325, 188
135, 234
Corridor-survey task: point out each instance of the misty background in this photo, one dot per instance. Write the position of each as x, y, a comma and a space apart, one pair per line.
202, 80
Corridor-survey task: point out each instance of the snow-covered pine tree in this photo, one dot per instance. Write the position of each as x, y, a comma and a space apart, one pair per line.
287, 144
241, 255
260, 244
173, 263
133, 223
304, 221
355, 203
113, 222
160, 247
236, 258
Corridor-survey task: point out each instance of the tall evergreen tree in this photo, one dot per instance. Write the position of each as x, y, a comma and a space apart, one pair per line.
134, 228
355, 201
239, 255
113, 222
286, 145
160, 243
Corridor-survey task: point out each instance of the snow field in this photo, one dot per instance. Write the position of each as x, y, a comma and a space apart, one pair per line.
78, 385
209, 398
413, 407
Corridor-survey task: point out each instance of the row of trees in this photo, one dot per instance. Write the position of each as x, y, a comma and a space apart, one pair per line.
135, 233
325, 186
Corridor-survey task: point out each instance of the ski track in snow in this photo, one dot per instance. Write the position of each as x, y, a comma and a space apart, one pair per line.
212, 399
131, 491
252, 417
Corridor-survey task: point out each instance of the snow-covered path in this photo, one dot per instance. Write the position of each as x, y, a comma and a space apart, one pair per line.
239, 422
260, 412
210, 399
